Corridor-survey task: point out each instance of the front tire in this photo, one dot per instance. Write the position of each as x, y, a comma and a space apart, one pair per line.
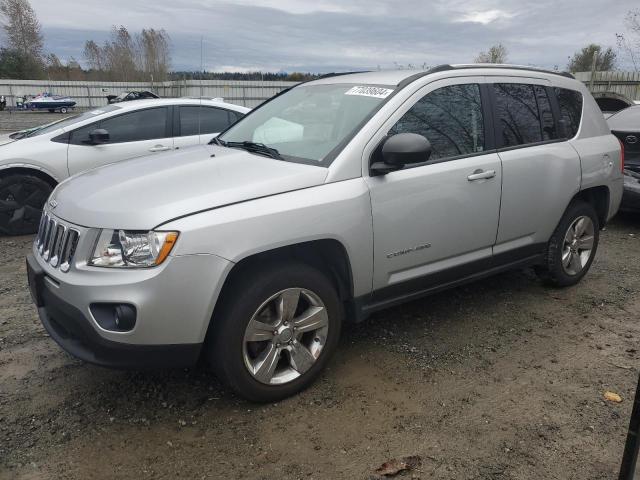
274, 331
21, 200
572, 246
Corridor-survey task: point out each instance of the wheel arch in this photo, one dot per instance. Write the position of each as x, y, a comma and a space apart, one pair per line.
599, 197
29, 170
327, 255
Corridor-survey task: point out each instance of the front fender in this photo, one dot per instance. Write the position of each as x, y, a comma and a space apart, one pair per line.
339, 211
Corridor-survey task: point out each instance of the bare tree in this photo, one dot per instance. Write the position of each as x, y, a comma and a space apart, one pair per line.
120, 55
496, 54
629, 42
582, 61
94, 55
53, 62
22, 28
127, 57
155, 60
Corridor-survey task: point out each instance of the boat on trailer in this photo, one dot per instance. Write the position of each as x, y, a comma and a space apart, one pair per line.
53, 103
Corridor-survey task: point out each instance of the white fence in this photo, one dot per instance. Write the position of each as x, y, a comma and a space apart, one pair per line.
94, 94
626, 84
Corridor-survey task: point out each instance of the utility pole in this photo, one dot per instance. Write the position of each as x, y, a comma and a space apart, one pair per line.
593, 70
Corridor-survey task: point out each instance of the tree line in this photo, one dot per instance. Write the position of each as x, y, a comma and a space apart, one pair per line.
124, 56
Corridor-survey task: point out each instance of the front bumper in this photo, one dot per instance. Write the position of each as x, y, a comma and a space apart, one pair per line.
173, 309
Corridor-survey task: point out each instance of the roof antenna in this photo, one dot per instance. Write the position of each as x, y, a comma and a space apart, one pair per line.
201, 80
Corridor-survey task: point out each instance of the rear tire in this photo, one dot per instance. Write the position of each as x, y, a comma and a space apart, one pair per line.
253, 327
21, 200
572, 246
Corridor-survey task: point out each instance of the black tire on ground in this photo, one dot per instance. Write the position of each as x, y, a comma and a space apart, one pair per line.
63, 110
21, 200
552, 270
241, 298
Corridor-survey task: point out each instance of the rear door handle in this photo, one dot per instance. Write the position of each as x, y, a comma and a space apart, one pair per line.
481, 175
159, 148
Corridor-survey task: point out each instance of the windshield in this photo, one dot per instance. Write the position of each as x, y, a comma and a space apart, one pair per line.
307, 123
67, 122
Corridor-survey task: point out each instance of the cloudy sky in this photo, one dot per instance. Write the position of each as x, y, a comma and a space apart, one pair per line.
332, 35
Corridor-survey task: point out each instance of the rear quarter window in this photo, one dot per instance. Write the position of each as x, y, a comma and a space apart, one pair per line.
570, 104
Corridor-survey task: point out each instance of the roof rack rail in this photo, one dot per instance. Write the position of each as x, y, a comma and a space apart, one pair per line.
413, 78
525, 68
338, 74
447, 67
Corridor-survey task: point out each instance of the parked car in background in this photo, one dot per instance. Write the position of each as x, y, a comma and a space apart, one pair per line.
34, 161
340, 197
625, 125
131, 95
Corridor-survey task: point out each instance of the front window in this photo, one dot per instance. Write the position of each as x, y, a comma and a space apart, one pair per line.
71, 121
310, 123
450, 118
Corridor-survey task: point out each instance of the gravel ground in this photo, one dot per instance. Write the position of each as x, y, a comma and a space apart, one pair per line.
12, 121
503, 378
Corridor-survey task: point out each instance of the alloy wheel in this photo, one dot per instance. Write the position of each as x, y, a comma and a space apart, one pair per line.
285, 336
578, 245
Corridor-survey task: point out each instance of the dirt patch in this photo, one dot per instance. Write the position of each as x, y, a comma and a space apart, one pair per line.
503, 378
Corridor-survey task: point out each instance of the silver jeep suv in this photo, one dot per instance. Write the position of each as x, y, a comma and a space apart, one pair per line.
337, 198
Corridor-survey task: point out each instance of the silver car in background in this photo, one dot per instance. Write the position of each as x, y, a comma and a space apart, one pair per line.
335, 199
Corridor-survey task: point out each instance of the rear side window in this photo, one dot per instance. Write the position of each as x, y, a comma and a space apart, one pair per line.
146, 124
195, 120
235, 116
519, 119
570, 103
214, 120
450, 118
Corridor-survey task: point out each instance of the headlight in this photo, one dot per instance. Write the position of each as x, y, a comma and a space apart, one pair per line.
124, 248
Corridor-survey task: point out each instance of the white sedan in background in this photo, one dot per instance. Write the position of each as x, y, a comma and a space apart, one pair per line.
33, 161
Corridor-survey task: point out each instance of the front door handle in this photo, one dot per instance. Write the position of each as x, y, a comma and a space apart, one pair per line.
159, 148
481, 175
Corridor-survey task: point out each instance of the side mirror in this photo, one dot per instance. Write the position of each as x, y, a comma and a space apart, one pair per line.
98, 136
400, 150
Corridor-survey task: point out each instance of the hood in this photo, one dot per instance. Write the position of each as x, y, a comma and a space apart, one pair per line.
143, 193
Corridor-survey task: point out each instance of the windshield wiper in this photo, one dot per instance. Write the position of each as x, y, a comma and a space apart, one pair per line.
253, 147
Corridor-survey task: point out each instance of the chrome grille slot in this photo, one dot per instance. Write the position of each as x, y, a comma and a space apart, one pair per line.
45, 230
48, 240
68, 249
57, 245
43, 220
56, 242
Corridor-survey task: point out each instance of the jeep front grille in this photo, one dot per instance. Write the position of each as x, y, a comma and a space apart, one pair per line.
56, 243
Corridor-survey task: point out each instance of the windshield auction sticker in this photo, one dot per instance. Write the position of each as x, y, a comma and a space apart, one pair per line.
376, 92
